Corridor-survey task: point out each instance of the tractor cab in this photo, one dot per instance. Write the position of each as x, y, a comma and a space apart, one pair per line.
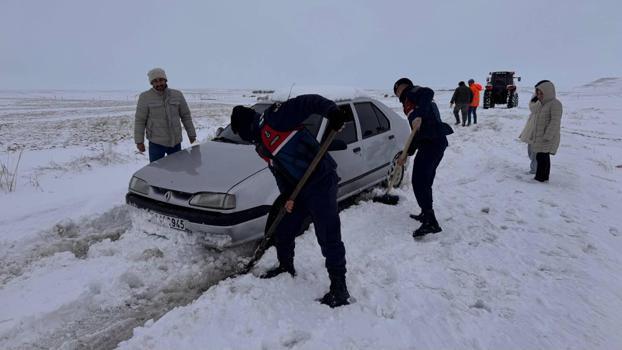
500, 89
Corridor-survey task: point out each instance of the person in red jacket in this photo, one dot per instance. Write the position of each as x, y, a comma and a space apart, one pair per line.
475, 89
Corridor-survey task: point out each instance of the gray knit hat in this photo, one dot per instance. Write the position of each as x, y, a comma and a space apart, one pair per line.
156, 73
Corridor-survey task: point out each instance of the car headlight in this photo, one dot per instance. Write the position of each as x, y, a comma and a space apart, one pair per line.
139, 185
213, 200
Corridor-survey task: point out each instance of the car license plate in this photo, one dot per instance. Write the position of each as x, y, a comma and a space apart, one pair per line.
171, 222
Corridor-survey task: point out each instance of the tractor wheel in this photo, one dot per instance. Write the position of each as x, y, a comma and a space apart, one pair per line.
487, 100
513, 100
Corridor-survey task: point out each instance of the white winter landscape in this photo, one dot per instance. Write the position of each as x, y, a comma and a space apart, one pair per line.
519, 264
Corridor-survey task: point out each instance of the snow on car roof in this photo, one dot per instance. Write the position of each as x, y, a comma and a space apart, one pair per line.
335, 93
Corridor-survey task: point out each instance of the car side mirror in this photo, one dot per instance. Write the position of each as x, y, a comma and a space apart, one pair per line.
518, 78
219, 131
337, 145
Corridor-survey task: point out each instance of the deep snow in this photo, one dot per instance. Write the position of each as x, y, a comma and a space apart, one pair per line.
519, 264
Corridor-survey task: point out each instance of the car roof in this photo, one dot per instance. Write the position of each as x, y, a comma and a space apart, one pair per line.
335, 93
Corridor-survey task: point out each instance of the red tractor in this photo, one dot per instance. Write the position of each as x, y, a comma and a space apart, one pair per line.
500, 89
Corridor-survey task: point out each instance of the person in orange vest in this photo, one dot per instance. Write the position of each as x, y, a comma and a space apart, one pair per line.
475, 89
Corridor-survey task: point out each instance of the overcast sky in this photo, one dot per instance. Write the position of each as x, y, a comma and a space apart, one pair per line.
266, 44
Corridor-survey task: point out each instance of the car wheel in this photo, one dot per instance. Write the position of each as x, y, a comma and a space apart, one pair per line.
274, 211
397, 171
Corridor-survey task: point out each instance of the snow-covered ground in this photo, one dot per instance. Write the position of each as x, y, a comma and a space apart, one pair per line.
519, 264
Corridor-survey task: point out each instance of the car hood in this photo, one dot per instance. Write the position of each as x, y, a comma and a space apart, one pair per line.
209, 167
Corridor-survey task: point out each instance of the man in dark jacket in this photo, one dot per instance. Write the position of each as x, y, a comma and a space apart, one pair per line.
430, 142
462, 97
289, 148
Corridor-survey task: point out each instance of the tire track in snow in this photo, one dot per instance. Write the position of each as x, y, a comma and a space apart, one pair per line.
65, 236
114, 285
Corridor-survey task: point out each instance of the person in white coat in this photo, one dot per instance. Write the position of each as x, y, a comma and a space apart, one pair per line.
542, 131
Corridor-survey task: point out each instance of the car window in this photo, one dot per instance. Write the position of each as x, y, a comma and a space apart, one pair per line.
261, 107
382, 119
313, 124
348, 133
370, 121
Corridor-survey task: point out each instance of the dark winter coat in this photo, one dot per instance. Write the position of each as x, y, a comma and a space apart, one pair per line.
432, 129
462, 95
288, 146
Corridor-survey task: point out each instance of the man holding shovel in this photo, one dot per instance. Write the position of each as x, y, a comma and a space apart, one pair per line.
429, 140
289, 148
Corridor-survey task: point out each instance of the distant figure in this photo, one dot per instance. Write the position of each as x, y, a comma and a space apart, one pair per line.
475, 89
160, 112
462, 97
542, 131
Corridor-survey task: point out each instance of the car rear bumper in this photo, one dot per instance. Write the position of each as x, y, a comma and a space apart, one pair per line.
230, 228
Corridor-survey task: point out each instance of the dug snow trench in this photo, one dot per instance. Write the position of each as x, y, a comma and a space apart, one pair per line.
102, 276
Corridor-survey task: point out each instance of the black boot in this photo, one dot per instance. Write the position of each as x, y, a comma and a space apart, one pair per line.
338, 294
418, 217
275, 271
429, 225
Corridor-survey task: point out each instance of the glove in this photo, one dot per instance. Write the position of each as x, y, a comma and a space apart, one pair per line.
336, 119
534, 99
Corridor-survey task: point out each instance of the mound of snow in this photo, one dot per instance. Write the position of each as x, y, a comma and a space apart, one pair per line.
608, 85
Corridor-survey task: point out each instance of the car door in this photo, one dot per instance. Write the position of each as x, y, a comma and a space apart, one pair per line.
350, 161
378, 141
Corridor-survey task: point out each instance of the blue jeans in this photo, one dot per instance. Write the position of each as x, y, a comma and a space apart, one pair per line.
533, 165
473, 110
158, 151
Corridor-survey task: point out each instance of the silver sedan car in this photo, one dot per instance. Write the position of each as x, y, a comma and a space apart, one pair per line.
224, 192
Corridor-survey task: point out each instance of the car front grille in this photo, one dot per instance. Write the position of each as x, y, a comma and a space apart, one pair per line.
204, 217
181, 196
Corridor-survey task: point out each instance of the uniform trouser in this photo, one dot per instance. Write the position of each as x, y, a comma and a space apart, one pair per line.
463, 108
320, 202
472, 111
424, 170
158, 151
544, 166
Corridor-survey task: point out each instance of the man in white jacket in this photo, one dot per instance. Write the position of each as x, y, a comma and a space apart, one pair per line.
160, 113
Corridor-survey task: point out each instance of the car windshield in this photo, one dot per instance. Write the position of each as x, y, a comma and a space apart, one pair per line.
226, 135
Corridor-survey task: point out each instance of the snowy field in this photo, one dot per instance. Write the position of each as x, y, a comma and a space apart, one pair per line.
519, 264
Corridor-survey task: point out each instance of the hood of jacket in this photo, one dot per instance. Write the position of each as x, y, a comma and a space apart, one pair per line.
548, 90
